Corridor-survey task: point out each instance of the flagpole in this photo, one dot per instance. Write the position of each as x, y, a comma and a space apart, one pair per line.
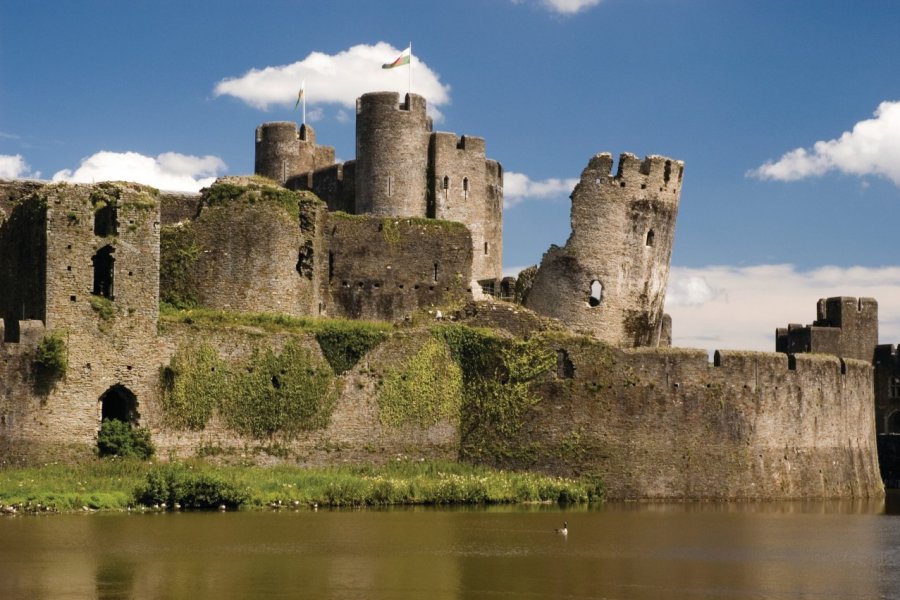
409, 72
304, 101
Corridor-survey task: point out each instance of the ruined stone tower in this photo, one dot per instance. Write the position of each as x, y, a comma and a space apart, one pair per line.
391, 155
283, 151
610, 278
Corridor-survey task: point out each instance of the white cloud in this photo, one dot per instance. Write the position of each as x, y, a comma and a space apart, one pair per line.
168, 171
518, 187
872, 148
336, 79
565, 7
15, 167
725, 307
569, 7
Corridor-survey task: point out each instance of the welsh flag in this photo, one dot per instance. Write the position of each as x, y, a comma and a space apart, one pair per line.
300, 94
403, 59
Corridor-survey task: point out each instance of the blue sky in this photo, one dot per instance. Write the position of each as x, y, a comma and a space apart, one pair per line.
731, 87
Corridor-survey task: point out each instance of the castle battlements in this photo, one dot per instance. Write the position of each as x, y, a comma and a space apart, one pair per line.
845, 326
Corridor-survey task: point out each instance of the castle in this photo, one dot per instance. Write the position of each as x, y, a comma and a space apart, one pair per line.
290, 272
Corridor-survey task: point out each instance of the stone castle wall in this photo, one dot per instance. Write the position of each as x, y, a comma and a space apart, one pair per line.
386, 269
672, 425
610, 278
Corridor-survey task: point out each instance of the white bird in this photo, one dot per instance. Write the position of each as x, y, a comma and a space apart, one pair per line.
565, 529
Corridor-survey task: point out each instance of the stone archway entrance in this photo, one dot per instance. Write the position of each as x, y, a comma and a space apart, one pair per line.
118, 403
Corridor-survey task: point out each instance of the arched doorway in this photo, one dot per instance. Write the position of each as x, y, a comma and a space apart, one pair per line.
118, 403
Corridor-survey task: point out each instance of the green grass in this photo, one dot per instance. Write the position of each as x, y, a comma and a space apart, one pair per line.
115, 484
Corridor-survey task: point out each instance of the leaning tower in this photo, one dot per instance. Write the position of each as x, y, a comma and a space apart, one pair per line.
610, 278
391, 155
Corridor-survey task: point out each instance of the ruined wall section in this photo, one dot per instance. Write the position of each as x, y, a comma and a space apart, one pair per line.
463, 188
391, 155
386, 269
610, 279
254, 248
667, 424
335, 185
109, 334
283, 151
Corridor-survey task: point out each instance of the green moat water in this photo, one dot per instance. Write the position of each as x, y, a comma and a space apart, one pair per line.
815, 550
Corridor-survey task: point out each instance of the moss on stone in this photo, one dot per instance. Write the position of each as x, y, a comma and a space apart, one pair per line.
178, 251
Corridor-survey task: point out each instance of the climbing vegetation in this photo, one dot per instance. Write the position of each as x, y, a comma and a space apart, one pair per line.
423, 390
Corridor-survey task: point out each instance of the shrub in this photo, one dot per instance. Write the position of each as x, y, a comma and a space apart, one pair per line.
118, 438
50, 362
176, 483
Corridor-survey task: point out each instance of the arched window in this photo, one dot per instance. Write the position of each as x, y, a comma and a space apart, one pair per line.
596, 293
103, 272
893, 422
650, 237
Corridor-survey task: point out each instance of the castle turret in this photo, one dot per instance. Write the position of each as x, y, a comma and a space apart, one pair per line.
283, 151
391, 154
610, 278
466, 187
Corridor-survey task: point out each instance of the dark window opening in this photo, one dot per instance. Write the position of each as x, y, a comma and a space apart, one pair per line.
11, 333
596, 293
894, 389
680, 173
486, 247
435, 273
118, 403
330, 267
104, 263
564, 367
667, 172
446, 182
465, 184
650, 237
106, 221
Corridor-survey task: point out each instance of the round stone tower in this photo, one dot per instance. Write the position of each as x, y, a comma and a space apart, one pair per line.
610, 278
391, 154
283, 151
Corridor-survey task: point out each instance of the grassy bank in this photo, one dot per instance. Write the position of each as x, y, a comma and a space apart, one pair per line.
120, 484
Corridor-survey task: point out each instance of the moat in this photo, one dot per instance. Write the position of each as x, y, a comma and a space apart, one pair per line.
819, 549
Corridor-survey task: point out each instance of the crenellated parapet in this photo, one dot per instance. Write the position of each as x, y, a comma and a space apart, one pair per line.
845, 326
610, 278
283, 151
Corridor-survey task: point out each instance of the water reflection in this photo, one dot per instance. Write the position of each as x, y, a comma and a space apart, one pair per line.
618, 551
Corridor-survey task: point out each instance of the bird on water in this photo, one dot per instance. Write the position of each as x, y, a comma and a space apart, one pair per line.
565, 529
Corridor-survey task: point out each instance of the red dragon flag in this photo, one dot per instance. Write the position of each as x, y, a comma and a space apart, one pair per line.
403, 59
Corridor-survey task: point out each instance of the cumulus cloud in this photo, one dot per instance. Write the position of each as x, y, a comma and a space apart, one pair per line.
871, 148
168, 171
14, 167
336, 79
727, 307
518, 187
